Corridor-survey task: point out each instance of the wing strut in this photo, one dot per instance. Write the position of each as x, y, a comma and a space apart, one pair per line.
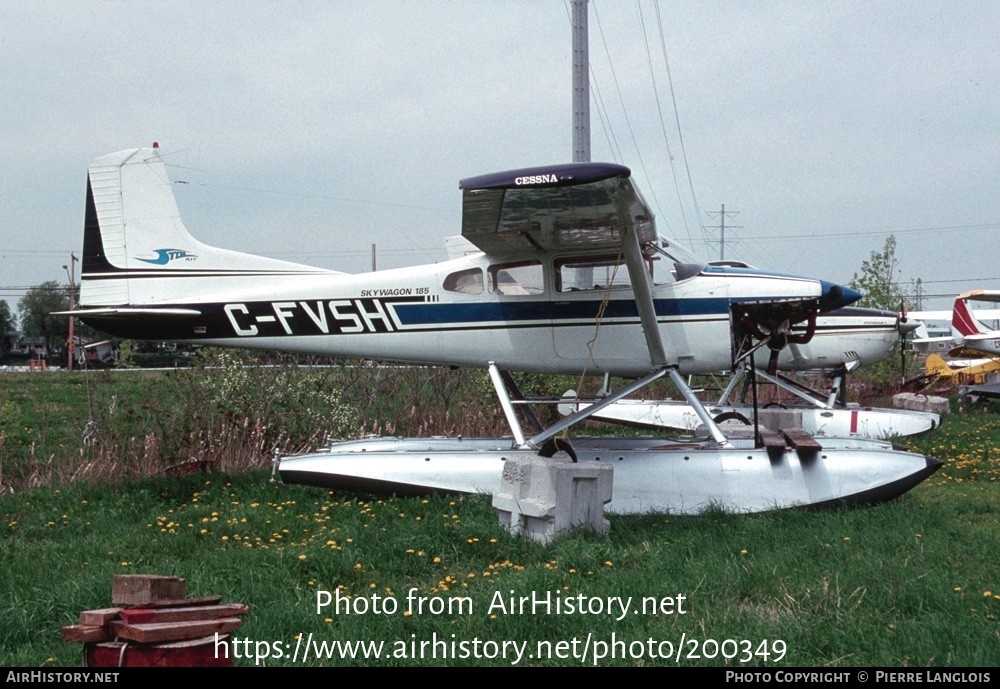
647, 315
699, 407
798, 392
508, 407
502, 379
734, 380
641, 289
589, 411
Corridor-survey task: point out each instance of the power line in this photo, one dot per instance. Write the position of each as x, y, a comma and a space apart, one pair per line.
938, 282
877, 233
722, 229
33, 252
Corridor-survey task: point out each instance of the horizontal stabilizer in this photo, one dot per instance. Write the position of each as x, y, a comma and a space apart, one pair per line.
125, 312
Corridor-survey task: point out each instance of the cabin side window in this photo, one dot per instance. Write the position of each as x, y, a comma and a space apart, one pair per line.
522, 278
465, 281
602, 272
591, 273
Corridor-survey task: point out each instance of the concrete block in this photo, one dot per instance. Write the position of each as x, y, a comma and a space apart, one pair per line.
546, 497
915, 401
777, 418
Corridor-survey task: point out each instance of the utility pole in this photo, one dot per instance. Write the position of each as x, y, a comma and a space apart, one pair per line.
581, 84
71, 347
722, 229
918, 295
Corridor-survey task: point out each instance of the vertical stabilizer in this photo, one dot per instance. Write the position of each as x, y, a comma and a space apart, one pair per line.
136, 249
129, 189
963, 323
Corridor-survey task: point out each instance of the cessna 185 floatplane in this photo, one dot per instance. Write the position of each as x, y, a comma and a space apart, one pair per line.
570, 275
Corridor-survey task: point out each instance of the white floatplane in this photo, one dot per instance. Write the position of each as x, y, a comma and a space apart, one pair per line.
869, 335
820, 420
570, 276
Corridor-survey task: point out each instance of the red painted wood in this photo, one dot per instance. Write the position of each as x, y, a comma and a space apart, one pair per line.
191, 653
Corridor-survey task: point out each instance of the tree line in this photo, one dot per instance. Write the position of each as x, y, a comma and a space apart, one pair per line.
36, 317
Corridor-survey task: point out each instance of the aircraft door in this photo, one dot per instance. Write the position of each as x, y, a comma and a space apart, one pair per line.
518, 292
593, 299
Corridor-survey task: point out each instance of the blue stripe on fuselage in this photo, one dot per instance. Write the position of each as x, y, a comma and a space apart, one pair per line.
422, 314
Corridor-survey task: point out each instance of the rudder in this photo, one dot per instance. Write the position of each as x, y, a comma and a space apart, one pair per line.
137, 251
128, 190
962, 320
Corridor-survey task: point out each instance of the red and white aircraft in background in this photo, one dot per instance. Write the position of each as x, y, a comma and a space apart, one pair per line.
969, 336
969, 332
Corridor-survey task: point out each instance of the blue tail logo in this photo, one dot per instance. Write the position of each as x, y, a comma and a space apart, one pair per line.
165, 256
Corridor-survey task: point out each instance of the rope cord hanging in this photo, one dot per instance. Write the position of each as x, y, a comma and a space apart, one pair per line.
597, 326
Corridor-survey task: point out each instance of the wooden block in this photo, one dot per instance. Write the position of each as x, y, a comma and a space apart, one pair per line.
154, 632
84, 633
132, 589
179, 602
203, 652
771, 440
800, 440
182, 614
99, 618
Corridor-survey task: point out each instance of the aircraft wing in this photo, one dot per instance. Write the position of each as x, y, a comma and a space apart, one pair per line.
923, 345
929, 315
981, 295
574, 205
976, 295
978, 314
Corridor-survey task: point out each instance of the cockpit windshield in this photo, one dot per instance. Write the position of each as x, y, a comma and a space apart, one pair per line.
675, 252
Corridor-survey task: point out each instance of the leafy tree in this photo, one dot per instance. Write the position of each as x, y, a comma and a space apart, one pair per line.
878, 281
36, 308
882, 288
8, 323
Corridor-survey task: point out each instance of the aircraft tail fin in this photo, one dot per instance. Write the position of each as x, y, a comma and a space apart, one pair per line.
937, 367
136, 249
963, 323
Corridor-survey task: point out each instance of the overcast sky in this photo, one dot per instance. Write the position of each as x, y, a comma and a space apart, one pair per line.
312, 130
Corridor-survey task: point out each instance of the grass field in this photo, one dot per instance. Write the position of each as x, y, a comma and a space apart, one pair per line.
906, 584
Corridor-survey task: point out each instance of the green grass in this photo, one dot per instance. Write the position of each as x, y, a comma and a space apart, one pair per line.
910, 583
60, 427
907, 583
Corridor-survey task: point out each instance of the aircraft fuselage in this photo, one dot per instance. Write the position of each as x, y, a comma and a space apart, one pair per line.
408, 314
556, 288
